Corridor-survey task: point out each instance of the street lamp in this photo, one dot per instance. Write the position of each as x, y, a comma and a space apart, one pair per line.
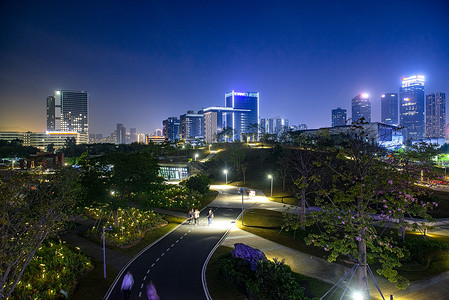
209, 146
196, 155
226, 173
104, 251
271, 177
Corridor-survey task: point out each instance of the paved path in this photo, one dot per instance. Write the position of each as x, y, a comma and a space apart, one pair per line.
175, 263
435, 288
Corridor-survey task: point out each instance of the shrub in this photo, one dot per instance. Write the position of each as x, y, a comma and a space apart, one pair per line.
426, 251
199, 183
55, 266
272, 280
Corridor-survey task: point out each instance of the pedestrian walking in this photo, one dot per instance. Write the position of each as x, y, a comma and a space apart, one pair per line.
127, 284
196, 216
151, 292
191, 215
210, 216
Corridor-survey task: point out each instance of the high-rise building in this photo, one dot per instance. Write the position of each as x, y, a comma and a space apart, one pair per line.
302, 127
435, 115
192, 124
243, 122
170, 129
120, 134
411, 107
67, 111
361, 108
338, 117
281, 125
215, 121
389, 106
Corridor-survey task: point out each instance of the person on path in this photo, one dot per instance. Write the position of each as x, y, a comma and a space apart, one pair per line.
127, 284
196, 216
210, 216
191, 215
151, 292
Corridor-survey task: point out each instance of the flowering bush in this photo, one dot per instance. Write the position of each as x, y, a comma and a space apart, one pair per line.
133, 223
55, 266
174, 197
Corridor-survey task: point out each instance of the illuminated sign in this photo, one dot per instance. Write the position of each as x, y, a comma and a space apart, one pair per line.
248, 94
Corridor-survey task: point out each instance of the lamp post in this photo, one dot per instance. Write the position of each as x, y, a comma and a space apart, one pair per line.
271, 177
209, 146
104, 251
196, 155
226, 173
243, 208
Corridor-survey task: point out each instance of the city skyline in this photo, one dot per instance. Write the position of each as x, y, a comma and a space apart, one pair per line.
159, 60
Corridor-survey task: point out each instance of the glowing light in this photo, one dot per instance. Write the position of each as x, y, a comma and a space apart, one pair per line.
58, 93
357, 296
383, 96
406, 99
365, 95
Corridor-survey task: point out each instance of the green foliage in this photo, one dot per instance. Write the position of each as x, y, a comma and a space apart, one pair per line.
272, 279
425, 251
54, 267
199, 183
16, 149
132, 222
172, 197
31, 208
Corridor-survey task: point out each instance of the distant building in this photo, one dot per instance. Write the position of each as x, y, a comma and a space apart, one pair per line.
67, 111
120, 134
411, 107
132, 135
192, 125
215, 122
281, 126
242, 122
170, 129
41, 140
302, 127
435, 115
361, 108
338, 117
389, 106
275, 125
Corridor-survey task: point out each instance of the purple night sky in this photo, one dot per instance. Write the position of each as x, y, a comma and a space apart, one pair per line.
143, 61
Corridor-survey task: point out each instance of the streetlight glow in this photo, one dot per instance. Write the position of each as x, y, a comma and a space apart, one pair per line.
271, 178
196, 156
226, 172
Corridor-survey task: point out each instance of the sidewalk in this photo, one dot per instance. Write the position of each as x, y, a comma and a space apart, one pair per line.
434, 288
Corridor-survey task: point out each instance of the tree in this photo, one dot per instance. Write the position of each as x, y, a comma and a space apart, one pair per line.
365, 182
31, 209
51, 148
238, 157
226, 133
199, 183
253, 131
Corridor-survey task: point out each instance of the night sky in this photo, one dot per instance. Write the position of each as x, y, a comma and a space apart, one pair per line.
143, 61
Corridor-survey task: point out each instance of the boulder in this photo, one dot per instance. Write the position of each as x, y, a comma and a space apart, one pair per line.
248, 253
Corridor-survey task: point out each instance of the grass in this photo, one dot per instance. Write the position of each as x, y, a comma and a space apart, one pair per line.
93, 285
219, 287
267, 224
206, 199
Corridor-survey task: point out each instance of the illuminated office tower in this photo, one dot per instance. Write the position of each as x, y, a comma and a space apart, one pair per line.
192, 125
67, 111
411, 107
389, 107
170, 129
243, 121
120, 134
361, 108
435, 115
338, 117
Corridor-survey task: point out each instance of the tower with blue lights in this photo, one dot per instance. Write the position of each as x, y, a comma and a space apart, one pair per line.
389, 107
242, 121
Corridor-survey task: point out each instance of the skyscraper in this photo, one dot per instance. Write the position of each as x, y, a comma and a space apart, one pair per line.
67, 111
243, 121
338, 117
411, 107
435, 115
361, 108
120, 134
389, 107
170, 129
192, 124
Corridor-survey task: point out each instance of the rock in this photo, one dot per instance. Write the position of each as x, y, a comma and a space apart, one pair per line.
248, 253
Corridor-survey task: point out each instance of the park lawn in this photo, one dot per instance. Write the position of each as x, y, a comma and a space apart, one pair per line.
93, 285
222, 289
267, 224
206, 199
219, 287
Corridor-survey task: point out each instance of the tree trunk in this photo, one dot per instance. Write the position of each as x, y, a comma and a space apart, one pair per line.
302, 219
283, 183
402, 228
361, 271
